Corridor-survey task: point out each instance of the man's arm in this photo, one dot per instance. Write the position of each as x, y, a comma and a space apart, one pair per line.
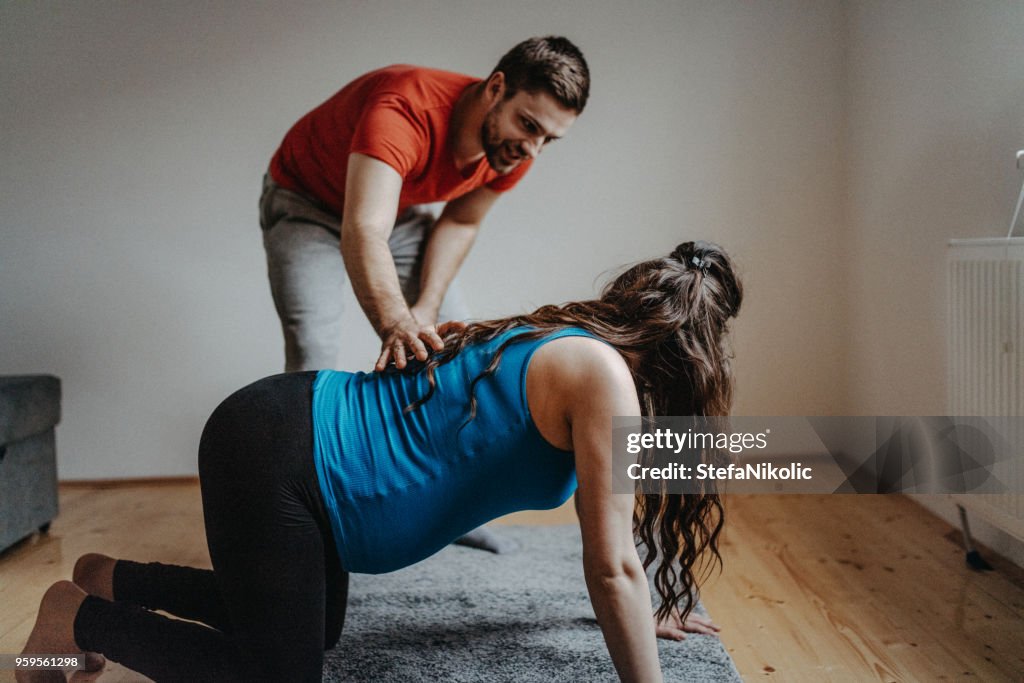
449, 242
372, 189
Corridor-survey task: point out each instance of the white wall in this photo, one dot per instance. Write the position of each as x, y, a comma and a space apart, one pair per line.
136, 134
935, 107
935, 103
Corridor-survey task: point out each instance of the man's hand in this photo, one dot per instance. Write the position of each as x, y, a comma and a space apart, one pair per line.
415, 335
409, 335
673, 628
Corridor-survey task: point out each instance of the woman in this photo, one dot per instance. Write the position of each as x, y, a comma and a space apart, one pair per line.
308, 476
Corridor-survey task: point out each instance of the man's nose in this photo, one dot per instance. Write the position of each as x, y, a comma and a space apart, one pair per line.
532, 147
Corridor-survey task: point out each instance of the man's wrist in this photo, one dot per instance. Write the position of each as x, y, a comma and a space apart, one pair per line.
394, 320
427, 305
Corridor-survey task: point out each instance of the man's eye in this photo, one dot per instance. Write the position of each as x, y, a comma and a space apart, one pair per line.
528, 125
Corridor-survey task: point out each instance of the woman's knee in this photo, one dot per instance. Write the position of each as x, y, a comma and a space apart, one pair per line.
337, 600
332, 635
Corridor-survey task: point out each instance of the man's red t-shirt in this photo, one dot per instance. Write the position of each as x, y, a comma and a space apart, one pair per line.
400, 115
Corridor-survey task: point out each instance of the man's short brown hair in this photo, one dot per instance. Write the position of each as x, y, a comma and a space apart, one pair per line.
551, 64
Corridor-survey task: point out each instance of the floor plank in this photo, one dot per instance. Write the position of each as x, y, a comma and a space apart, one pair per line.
859, 588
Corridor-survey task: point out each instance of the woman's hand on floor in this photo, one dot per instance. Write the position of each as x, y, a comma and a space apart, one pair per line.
673, 628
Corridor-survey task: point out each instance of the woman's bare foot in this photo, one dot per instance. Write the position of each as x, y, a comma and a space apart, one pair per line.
54, 631
93, 661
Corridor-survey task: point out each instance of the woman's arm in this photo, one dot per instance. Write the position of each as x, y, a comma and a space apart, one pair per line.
598, 387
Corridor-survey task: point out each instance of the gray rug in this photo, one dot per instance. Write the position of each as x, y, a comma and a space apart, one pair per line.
467, 616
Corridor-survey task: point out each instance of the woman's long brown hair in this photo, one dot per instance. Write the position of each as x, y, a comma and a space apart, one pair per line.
668, 318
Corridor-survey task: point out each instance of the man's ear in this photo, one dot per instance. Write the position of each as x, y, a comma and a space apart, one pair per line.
494, 88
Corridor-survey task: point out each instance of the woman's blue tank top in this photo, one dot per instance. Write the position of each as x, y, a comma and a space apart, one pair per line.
400, 486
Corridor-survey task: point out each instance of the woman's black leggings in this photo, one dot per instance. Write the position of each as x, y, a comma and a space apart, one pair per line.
276, 596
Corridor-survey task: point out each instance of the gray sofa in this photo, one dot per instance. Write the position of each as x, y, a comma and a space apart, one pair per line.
29, 411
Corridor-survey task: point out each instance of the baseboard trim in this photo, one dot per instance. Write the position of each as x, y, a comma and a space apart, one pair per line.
120, 483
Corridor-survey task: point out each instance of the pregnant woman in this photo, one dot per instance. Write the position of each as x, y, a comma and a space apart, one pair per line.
309, 476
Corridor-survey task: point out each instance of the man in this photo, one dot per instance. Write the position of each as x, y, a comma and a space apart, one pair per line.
391, 140
388, 141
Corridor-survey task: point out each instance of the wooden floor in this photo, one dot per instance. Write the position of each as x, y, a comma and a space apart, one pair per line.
814, 588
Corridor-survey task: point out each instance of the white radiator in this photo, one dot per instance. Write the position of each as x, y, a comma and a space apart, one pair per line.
986, 352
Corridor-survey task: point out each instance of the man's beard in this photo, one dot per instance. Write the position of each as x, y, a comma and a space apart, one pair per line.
497, 151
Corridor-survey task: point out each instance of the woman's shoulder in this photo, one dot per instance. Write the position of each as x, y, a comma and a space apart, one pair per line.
581, 360
564, 355
574, 375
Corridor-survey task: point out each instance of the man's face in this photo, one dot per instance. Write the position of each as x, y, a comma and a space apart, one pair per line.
517, 128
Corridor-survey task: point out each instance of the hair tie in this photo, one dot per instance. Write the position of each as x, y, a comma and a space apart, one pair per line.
698, 262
